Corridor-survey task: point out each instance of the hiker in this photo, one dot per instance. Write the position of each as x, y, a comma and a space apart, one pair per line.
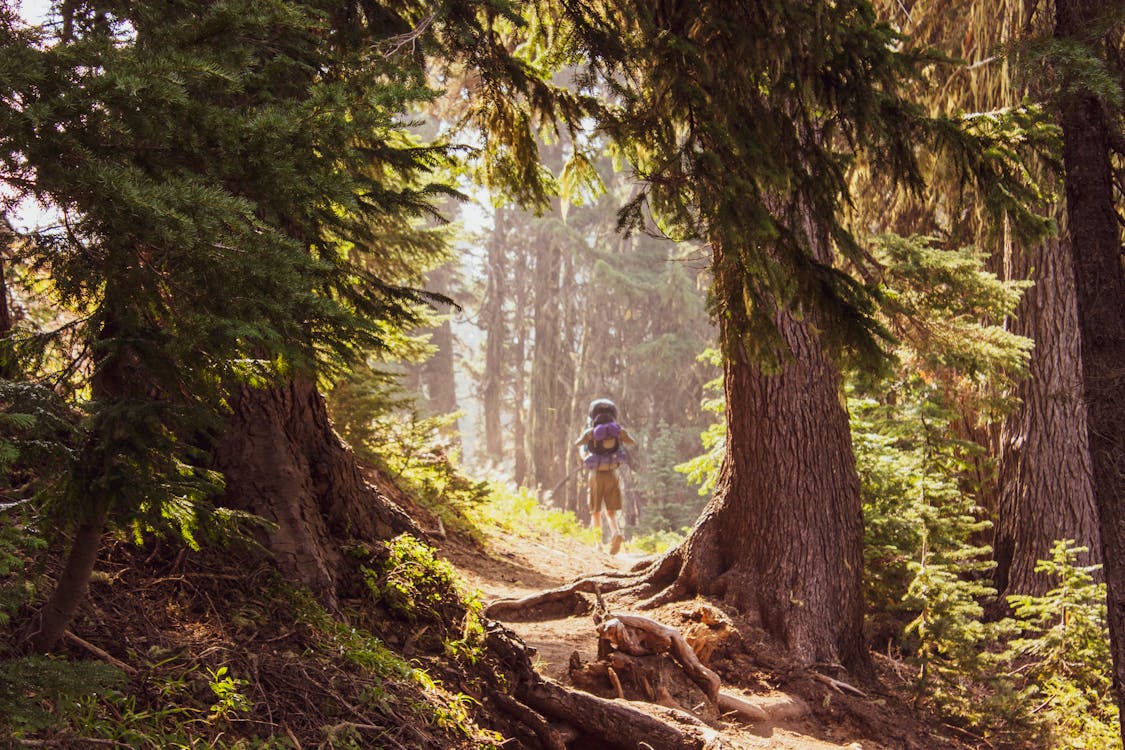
602, 447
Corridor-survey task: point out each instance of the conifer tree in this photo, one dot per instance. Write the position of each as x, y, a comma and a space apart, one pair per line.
743, 120
1091, 103
238, 192
1043, 490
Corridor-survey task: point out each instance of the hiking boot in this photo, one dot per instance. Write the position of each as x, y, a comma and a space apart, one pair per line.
615, 545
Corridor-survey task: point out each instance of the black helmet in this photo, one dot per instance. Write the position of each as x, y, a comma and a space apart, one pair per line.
602, 407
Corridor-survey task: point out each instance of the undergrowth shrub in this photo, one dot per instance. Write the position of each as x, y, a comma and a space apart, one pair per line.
668, 501
37, 692
1062, 656
419, 453
417, 586
658, 542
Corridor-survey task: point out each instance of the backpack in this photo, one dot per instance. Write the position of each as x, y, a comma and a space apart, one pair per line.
604, 449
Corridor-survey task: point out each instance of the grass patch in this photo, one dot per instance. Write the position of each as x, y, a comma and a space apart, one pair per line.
518, 511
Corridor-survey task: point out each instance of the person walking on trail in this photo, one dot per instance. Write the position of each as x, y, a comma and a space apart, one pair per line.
602, 447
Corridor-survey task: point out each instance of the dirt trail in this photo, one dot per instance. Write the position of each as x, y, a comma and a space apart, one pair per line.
517, 566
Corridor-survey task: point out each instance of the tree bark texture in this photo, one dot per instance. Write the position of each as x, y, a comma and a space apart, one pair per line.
283, 461
785, 528
551, 372
1045, 490
783, 534
70, 589
1096, 254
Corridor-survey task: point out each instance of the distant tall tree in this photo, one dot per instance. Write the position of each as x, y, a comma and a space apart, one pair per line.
1091, 104
438, 371
494, 376
523, 280
552, 368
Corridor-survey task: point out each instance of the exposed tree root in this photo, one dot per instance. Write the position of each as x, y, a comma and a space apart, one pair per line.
549, 737
547, 605
620, 631
626, 724
654, 577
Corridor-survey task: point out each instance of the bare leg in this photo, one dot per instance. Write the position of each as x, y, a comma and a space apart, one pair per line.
615, 537
596, 524
611, 521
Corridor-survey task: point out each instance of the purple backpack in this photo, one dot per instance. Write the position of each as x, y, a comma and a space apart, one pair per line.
605, 450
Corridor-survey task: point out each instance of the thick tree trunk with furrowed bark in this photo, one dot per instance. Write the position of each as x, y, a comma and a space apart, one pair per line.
1096, 255
783, 534
283, 462
1044, 468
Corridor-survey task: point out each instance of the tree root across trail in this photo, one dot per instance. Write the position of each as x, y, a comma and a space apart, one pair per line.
645, 580
656, 690
534, 701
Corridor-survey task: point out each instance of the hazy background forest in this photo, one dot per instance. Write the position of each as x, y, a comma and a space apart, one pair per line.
838, 309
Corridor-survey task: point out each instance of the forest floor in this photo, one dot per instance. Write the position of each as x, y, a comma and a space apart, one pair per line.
805, 713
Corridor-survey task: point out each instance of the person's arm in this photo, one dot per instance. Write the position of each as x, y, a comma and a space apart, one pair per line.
584, 439
625, 438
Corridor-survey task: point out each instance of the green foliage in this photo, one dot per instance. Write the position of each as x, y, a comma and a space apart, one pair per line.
918, 464
703, 469
1062, 656
657, 542
744, 156
19, 541
240, 204
949, 640
519, 511
229, 699
417, 586
37, 692
669, 502
920, 469
1081, 65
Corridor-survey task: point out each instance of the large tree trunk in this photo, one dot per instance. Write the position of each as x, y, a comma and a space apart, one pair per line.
1096, 255
1044, 468
283, 461
783, 534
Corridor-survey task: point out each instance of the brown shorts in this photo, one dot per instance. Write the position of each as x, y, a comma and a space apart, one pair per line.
605, 492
